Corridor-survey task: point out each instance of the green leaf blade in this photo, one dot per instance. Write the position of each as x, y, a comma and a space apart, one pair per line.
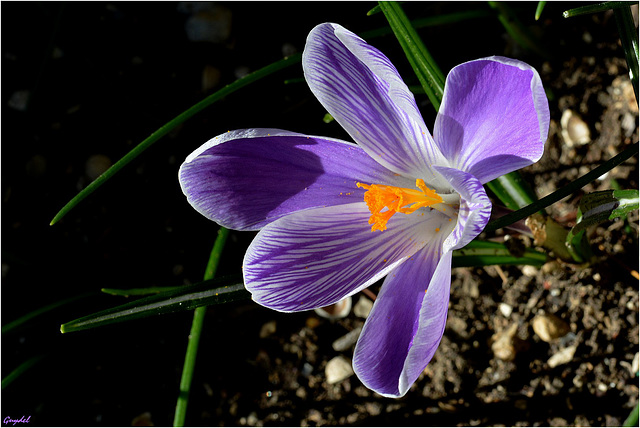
211, 292
483, 253
595, 8
427, 71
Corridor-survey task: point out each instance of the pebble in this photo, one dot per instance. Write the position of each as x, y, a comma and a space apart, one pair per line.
549, 327
562, 357
268, 329
336, 311
529, 271
363, 307
574, 130
503, 345
338, 369
505, 309
348, 340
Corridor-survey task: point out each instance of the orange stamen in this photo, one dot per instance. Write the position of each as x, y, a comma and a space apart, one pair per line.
396, 200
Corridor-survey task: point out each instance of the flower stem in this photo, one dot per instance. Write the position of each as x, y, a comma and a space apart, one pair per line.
194, 336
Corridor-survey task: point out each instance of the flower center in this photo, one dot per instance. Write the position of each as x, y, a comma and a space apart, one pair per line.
396, 200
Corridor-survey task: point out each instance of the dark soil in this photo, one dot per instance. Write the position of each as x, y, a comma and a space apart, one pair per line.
85, 82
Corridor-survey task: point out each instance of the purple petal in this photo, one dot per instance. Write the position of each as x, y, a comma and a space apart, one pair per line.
406, 323
317, 257
494, 117
246, 179
474, 211
362, 90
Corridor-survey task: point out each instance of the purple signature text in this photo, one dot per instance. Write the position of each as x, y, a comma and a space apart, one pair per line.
22, 420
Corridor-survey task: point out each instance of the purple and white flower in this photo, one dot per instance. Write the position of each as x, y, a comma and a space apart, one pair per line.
335, 217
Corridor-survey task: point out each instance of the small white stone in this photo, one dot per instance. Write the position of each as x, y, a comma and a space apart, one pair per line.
336, 311
635, 364
549, 327
346, 341
574, 130
529, 271
363, 307
338, 369
505, 309
562, 357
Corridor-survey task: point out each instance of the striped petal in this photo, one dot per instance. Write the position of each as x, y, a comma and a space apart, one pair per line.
317, 257
362, 90
494, 117
406, 323
474, 211
248, 178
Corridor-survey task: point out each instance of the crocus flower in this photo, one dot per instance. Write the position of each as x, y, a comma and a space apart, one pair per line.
335, 217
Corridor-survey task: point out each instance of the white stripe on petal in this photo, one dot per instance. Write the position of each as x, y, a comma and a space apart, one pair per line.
317, 257
362, 90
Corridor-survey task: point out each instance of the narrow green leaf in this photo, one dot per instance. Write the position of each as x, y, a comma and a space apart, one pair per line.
483, 253
520, 33
564, 191
23, 319
595, 8
7, 380
169, 126
427, 71
212, 292
632, 420
138, 291
513, 190
376, 9
196, 331
539, 9
629, 39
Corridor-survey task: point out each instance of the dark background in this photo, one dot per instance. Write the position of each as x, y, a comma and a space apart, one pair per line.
100, 77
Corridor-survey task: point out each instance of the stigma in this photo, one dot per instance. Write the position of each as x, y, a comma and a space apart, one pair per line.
384, 201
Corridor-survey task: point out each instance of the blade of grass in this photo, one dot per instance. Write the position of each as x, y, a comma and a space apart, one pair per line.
512, 190
194, 336
138, 291
541, 5
172, 124
6, 381
212, 292
563, 192
427, 71
595, 8
632, 420
629, 39
483, 253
